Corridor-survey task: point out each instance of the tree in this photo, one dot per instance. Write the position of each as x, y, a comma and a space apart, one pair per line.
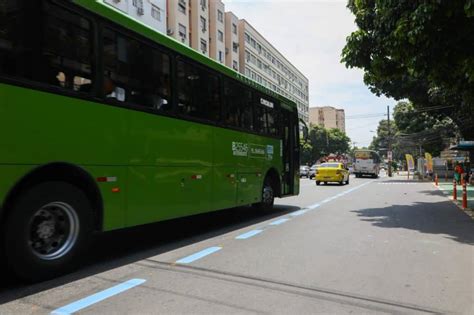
418, 50
306, 152
326, 141
380, 142
412, 130
422, 130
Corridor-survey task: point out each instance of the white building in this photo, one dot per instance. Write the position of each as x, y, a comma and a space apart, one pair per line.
149, 12
262, 62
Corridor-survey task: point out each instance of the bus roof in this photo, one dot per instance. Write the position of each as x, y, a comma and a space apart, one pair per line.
114, 14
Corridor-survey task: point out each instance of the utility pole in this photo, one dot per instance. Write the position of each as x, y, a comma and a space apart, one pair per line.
389, 139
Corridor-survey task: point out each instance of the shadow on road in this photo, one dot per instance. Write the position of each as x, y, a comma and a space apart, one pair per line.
118, 248
432, 218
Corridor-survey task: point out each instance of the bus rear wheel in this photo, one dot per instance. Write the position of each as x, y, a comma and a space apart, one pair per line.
47, 229
268, 196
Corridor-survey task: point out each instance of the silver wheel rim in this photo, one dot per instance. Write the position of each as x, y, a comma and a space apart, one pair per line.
267, 195
53, 230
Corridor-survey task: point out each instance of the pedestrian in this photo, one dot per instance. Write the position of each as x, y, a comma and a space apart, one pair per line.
458, 172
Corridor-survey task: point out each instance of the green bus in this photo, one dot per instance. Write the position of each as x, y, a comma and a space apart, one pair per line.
107, 124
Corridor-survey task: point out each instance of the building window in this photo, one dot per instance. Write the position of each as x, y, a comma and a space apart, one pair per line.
203, 24
247, 38
203, 4
156, 13
247, 56
139, 5
220, 16
235, 46
220, 36
235, 65
234, 28
203, 46
182, 31
221, 56
182, 6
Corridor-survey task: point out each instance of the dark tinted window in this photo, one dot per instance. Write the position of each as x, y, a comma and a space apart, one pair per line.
198, 91
57, 52
135, 72
16, 46
238, 106
67, 49
266, 115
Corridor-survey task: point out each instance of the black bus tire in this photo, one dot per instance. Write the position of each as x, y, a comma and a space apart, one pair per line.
47, 230
268, 196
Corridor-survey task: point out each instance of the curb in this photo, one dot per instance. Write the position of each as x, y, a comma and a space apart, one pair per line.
468, 211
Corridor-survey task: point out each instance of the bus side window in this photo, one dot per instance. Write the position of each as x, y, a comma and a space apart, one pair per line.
230, 111
198, 92
67, 50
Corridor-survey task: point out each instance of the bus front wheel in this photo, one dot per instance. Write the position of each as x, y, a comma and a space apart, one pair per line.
47, 229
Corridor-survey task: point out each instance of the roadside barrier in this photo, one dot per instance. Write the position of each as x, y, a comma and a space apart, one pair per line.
464, 196
455, 193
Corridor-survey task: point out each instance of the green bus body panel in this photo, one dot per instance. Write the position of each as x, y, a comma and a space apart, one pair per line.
165, 167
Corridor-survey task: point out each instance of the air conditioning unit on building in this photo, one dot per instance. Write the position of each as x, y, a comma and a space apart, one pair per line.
226, 51
140, 11
169, 32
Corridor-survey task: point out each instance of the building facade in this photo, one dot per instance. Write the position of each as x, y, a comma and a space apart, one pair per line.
217, 30
150, 12
178, 20
232, 41
328, 117
262, 62
199, 25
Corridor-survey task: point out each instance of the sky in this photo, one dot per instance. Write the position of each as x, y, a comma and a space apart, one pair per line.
311, 35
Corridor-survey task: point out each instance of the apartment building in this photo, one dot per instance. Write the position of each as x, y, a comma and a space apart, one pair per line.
199, 25
217, 30
178, 20
150, 12
328, 117
232, 48
262, 62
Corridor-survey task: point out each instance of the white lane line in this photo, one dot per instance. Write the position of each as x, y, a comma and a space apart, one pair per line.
316, 205
97, 297
199, 255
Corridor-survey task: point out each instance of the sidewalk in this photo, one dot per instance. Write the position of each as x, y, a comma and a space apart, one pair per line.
447, 189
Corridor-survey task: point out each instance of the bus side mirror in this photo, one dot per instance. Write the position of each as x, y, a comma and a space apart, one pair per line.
304, 130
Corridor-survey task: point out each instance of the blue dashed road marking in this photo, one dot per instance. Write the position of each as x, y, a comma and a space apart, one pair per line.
199, 255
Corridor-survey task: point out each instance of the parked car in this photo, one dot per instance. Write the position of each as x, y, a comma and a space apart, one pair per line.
312, 171
332, 172
304, 171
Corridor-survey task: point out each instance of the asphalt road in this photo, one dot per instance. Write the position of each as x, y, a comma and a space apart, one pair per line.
373, 246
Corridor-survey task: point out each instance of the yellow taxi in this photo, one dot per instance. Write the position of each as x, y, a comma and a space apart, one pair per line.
332, 172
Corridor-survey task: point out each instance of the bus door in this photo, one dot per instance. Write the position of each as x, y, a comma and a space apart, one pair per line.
290, 152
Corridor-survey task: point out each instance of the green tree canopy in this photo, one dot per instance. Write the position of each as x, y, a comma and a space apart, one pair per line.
418, 50
323, 142
411, 130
